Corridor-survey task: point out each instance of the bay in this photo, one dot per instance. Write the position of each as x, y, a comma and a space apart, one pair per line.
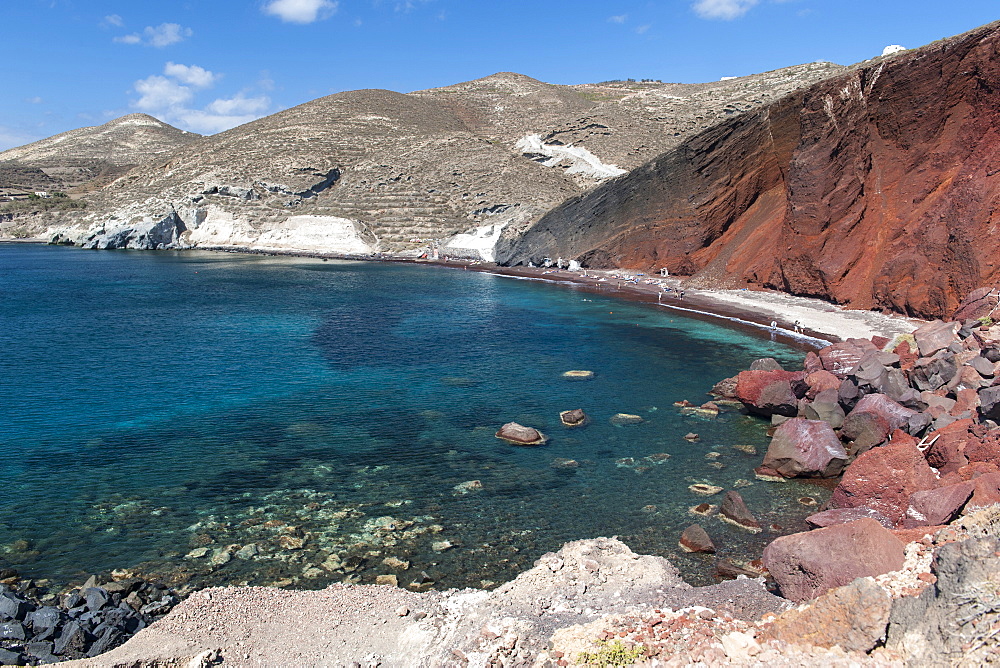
218, 418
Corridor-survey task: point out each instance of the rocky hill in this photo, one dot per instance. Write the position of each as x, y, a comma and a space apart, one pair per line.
378, 171
74, 158
876, 188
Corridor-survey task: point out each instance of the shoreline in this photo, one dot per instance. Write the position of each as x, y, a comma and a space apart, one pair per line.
820, 323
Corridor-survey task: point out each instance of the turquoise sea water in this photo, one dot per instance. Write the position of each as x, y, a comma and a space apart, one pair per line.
227, 418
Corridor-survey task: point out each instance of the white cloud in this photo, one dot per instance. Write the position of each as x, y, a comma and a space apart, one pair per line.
641, 30
301, 11
160, 93
239, 105
621, 18
159, 36
170, 97
34, 100
726, 10
191, 75
114, 20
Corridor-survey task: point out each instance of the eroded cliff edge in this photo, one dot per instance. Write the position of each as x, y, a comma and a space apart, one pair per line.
877, 188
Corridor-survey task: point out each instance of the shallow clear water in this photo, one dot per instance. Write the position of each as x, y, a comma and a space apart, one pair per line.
162, 411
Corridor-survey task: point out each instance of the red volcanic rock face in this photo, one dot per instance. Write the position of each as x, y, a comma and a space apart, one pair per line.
877, 188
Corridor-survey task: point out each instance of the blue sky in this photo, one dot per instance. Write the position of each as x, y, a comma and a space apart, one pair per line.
206, 66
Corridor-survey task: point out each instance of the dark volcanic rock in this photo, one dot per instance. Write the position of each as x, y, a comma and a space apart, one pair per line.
696, 539
803, 447
734, 510
806, 565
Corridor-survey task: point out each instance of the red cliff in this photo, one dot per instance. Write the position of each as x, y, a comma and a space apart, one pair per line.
878, 188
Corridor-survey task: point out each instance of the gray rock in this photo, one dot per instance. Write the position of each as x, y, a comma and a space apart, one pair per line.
44, 618
12, 631
12, 608
72, 640
989, 400
826, 407
950, 622
96, 598
765, 364
983, 366
8, 657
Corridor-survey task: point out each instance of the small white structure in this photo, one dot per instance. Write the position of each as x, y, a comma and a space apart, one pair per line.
43, 194
574, 265
664, 273
892, 48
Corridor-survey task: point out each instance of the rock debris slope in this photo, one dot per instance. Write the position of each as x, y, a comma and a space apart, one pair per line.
374, 170
877, 188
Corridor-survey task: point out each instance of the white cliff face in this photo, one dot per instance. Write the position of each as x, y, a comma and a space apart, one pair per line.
580, 160
481, 241
323, 234
213, 227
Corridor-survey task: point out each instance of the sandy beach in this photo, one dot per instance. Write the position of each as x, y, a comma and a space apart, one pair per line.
802, 321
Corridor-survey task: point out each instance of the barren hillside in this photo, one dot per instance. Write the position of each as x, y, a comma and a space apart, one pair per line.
377, 171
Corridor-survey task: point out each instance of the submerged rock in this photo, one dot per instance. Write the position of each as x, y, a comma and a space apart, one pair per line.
622, 419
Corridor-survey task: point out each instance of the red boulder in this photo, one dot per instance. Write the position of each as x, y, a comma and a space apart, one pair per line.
883, 479
871, 421
808, 564
932, 507
840, 358
768, 393
805, 448
947, 445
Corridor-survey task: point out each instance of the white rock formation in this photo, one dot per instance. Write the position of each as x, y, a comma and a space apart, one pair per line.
580, 160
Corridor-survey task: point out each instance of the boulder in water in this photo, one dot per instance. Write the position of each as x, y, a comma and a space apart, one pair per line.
518, 434
573, 418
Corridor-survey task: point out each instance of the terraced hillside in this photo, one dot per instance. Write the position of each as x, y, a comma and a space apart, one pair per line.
373, 170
